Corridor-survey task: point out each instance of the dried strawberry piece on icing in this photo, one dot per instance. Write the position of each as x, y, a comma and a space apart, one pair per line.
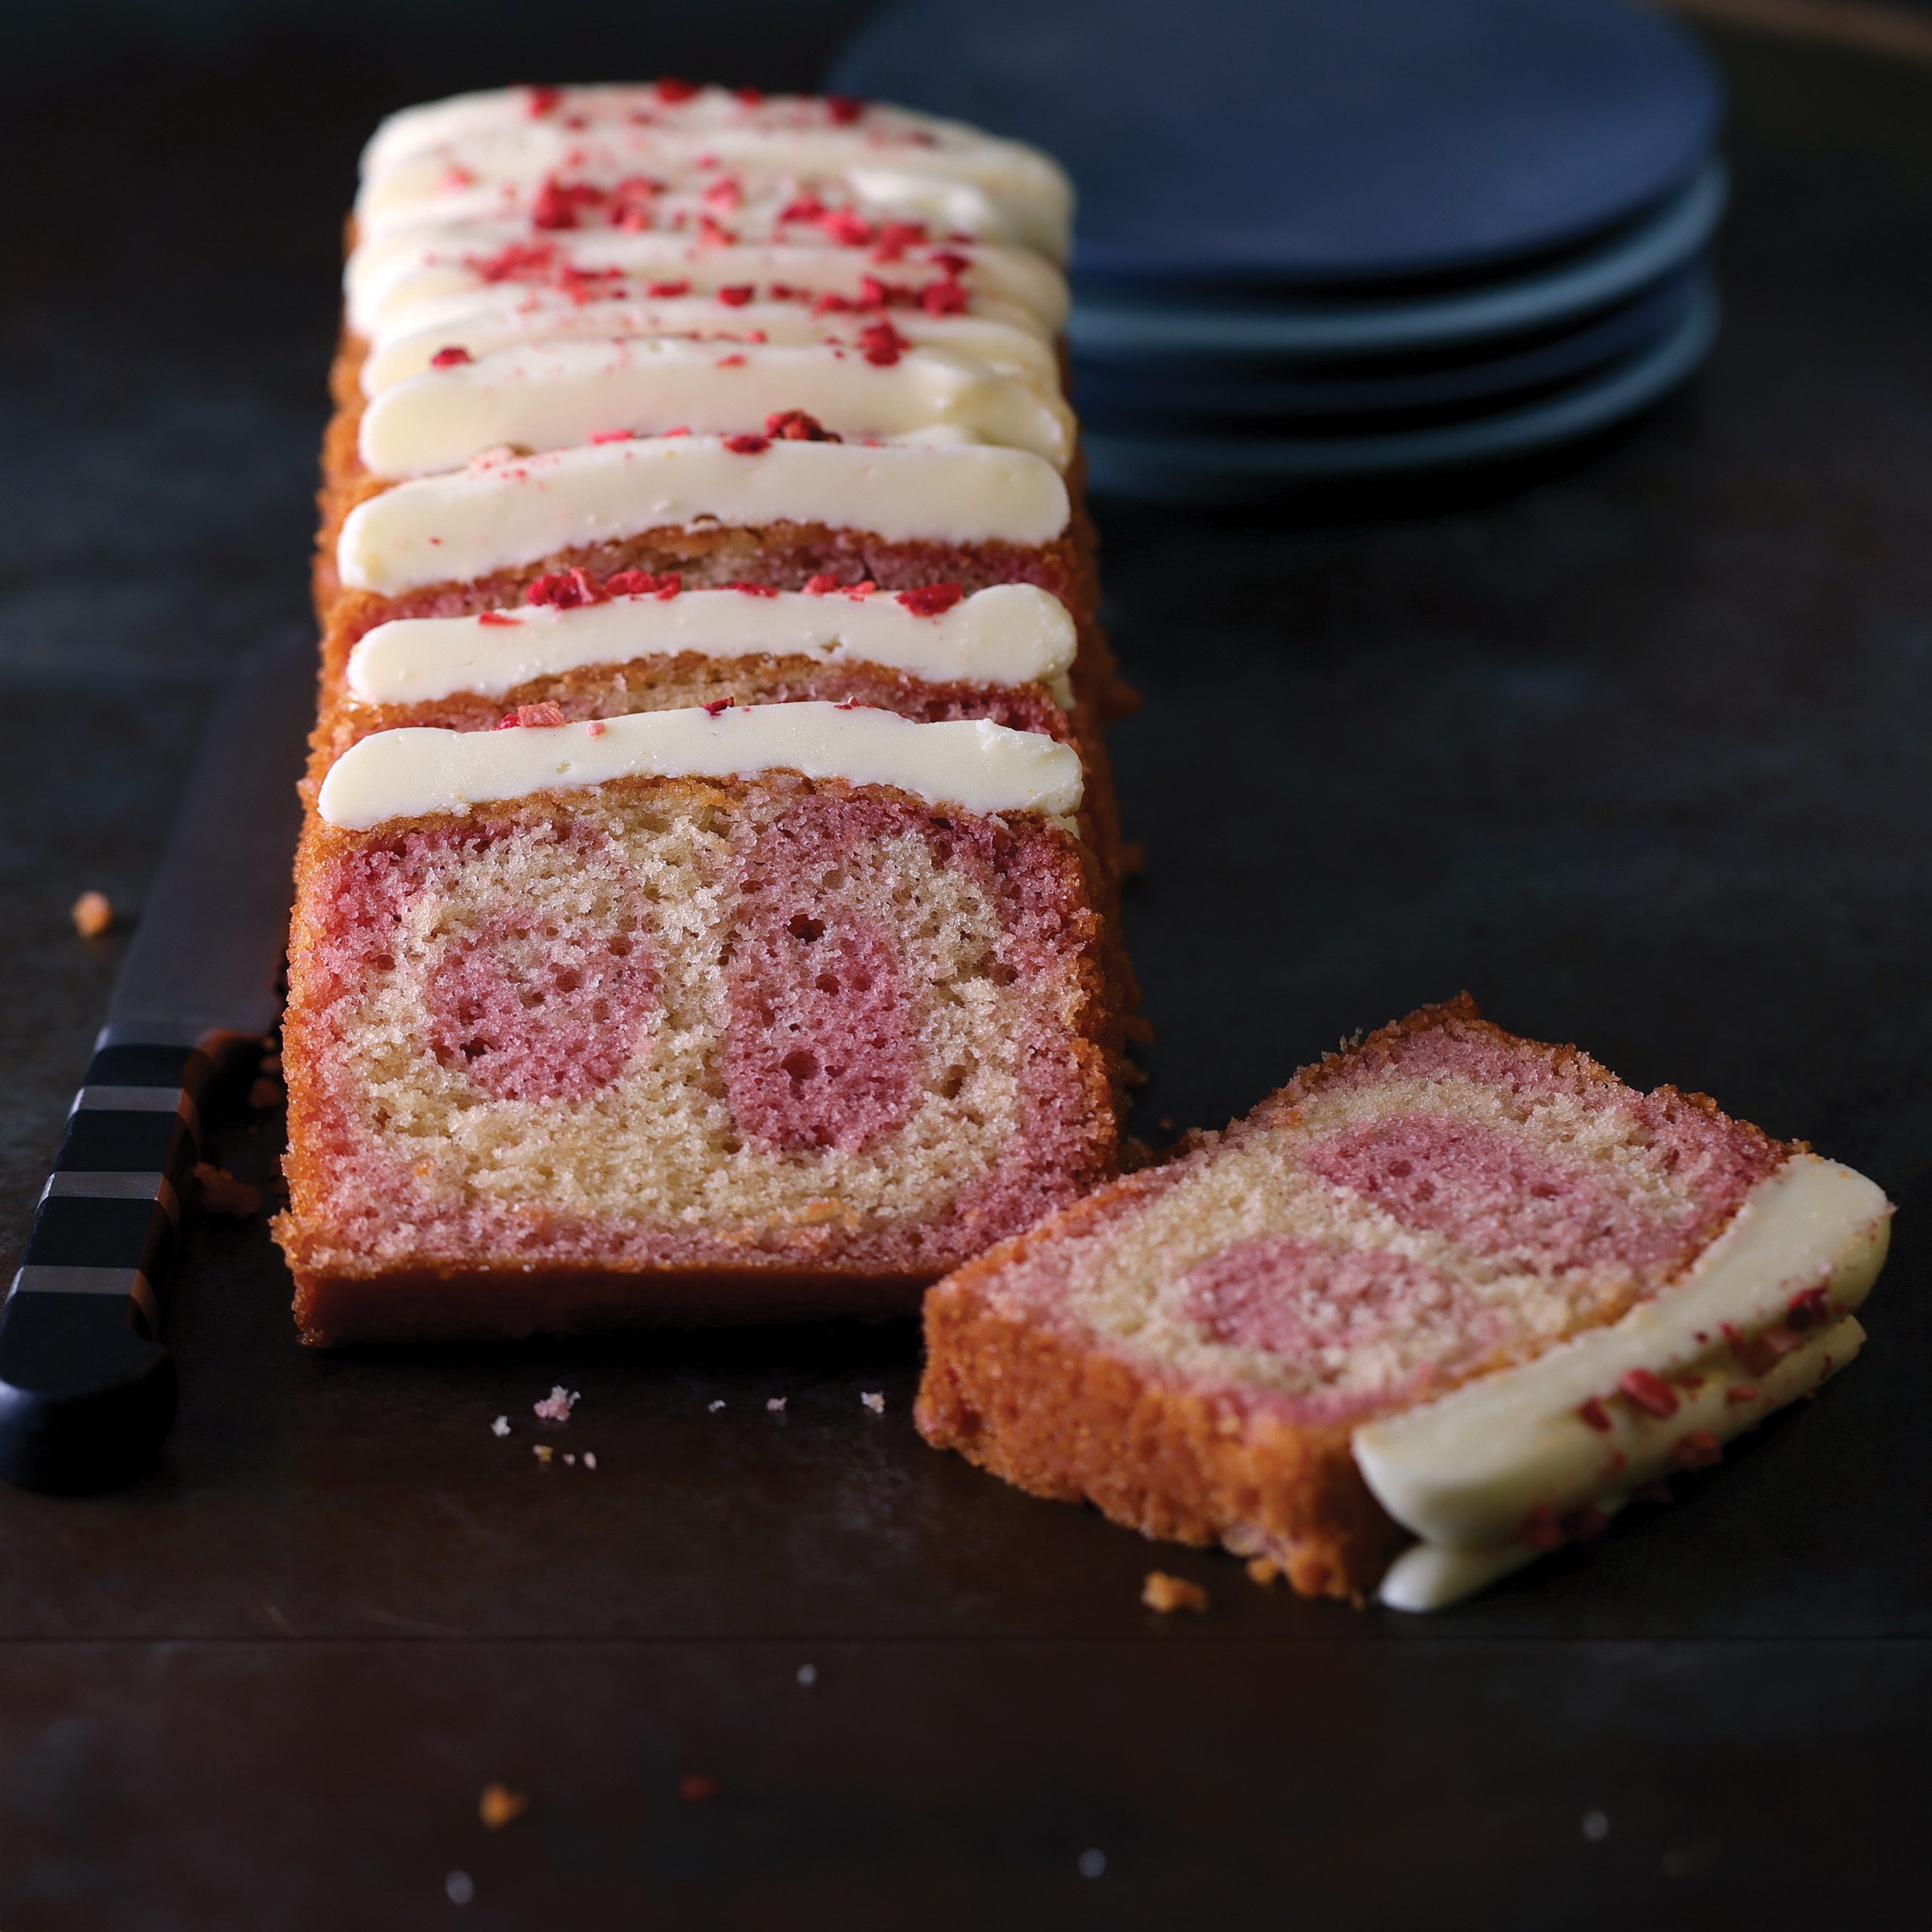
806, 207
1761, 1352
747, 445
1649, 1391
894, 238
714, 235
533, 717
794, 426
632, 201
667, 292
749, 96
932, 600
564, 204
944, 298
565, 589
1697, 1450
717, 707
1811, 1309
498, 619
726, 195
540, 101
847, 227
671, 89
613, 436
821, 585
737, 295
730, 361
882, 343
755, 590
514, 261
1593, 1413
841, 110
453, 357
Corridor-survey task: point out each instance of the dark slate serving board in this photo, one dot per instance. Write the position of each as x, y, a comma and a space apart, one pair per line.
1633, 745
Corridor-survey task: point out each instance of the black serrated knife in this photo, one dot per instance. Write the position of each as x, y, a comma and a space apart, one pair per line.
87, 1390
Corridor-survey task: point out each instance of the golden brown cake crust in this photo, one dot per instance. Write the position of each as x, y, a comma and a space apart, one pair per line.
1061, 1418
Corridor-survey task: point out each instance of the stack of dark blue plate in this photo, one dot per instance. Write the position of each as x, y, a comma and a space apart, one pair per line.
1324, 238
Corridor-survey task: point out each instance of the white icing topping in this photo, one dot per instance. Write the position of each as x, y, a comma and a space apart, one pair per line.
467, 523
416, 158
1467, 1470
1011, 633
974, 764
759, 203
385, 280
482, 326
550, 395
1431, 1576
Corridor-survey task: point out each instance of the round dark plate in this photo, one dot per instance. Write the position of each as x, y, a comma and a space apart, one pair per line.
1630, 259
1111, 393
1315, 142
1181, 468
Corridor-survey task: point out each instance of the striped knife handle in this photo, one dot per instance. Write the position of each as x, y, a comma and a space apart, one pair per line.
87, 1390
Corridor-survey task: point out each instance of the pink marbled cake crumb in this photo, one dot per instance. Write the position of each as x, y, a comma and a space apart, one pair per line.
1485, 1189
378, 1206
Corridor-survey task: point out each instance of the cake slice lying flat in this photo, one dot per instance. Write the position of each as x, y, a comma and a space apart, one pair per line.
786, 1009
1442, 1303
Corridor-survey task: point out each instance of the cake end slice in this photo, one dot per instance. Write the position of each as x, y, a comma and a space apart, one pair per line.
1443, 1302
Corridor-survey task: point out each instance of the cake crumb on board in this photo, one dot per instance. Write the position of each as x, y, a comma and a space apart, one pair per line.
1263, 1570
500, 1806
221, 1193
1166, 1594
93, 915
875, 1400
556, 1407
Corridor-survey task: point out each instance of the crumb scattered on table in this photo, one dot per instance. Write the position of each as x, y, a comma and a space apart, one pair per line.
1264, 1570
875, 1400
590, 1459
556, 1407
1166, 1594
222, 1194
713, 1407
500, 1806
459, 1888
808, 1674
543, 1452
501, 1426
695, 1788
93, 914
775, 1405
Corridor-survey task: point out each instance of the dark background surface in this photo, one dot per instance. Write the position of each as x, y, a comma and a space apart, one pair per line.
1635, 747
